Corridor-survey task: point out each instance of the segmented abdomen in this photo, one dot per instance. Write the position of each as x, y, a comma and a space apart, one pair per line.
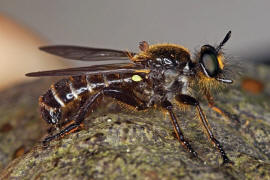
65, 95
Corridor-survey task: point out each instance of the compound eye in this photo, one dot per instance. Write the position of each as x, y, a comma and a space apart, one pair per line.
210, 64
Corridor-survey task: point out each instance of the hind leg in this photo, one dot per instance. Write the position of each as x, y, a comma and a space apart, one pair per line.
122, 95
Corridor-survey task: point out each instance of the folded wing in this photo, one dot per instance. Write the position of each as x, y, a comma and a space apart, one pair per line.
97, 69
87, 53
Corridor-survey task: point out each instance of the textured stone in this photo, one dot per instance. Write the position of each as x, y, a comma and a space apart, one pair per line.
119, 144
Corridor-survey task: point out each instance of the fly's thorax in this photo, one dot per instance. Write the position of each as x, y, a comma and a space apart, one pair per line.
170, 51
170, 78
167, 62
163, 56
177, 79
184, 82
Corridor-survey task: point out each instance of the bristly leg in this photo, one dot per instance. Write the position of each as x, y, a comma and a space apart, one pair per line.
74, 126
186, 99
71, 128
180, 136
122, 95
223, 113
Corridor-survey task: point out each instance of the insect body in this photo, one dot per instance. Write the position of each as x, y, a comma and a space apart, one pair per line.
164, 75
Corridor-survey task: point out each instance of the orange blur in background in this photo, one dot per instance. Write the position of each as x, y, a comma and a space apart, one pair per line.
252, 85
19, 53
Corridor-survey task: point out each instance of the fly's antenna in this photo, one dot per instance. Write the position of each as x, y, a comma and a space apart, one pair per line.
227, 37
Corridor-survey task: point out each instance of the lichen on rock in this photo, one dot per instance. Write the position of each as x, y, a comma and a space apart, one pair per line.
141, 145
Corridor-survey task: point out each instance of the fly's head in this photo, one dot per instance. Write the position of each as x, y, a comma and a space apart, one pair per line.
211, 66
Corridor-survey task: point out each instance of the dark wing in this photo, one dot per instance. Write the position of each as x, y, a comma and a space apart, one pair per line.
97, 69
86, 53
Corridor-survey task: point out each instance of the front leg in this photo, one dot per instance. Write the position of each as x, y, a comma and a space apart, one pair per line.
212, 105
223, 113
188, 100
180, 136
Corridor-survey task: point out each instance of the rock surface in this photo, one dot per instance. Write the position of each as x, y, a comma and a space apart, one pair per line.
137, 145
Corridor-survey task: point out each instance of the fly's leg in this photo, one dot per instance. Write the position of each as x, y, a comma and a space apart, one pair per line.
120, 94
81, 115
188, 100
125, 96
212, 105
180, 136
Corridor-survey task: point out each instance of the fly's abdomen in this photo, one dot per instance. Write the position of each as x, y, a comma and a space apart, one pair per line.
65, 96
50, 108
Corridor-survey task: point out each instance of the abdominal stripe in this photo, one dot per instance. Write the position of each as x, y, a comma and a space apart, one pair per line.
68, 90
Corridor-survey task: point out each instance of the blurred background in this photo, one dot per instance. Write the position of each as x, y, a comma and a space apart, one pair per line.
121, 24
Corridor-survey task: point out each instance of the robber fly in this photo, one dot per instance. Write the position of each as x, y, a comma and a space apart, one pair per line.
162, 75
